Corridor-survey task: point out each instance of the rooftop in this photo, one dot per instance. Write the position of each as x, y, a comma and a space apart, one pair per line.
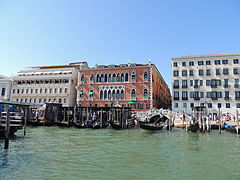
207, 55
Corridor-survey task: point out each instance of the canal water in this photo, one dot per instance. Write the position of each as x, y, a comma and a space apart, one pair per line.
69, 153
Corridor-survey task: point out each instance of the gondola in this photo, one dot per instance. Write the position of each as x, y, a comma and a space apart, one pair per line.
193, 127
118, 126
63, 124
231, 128
39, 123
151, 126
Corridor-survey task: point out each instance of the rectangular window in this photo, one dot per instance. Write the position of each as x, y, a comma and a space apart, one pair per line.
184, 105
184, 73
217, 62
200, 63
225, 61
225, 71
200, 72
201, 82
238, 105
176, 105
209, 105
219, 105
208, 72
235, 61
191, 82
226, 94
183, 63
228, 105
208, 62
225, 82
184, 83
191, 73
208, 82
192, 105
175, 64
3, 92
235, 71
175, 73
218, 72
191, 63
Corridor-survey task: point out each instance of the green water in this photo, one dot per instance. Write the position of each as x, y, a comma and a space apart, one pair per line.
68, 153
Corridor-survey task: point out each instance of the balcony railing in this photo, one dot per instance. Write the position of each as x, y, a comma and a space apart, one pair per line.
184, 98
226, 86
196, 86
237, 98
196, 98
236, 86
175, 98
214, 86
175, 86
227, 98
184, 86
214, 98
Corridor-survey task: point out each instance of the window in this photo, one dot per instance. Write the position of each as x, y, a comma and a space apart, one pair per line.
92, 78
184, 105
176, 84
235, 71
208, 62
192, 105
208, 82
3, 92
225, 82
133, 76
184, 73
208, 72
226, 94
191, 63
201, 82
225, 61
122, 78
200, 72
184, 95
176, 105
133, 94
126, 76
145, 76
209, 105
200, 63
225, 71
82, 78
176, 95
184, 83
218, 72
238, 105
175, 73
236, 81
191, 82
219, 105
175, 64
64, 100
235, 61
90, 93
191, 73
55, 90
13, 91
227, 105
217, 62
145, 93
237, 94
183, 63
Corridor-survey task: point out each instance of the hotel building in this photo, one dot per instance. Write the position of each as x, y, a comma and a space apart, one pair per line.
5, 88
212, 81
139, 86
43, 84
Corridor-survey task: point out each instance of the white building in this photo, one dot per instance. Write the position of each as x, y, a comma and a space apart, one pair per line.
43, 84
212, 81
5, 87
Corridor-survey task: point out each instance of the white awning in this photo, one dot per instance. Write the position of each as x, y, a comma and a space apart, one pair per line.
47, 72
67, 72
30, 73
38, 73
21, 74
56, 72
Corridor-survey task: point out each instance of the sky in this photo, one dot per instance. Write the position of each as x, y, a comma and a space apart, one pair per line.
53, 32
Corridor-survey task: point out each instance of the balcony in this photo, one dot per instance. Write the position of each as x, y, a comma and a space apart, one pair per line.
226, 86
227, 98
175, 98
184, 98
184, 86
175, 86
214, 98
237, 98
236, 86
196, 86
214, 86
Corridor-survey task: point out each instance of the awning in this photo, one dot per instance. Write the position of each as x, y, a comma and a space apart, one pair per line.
66, 72
38, 73
47, 72
56, 72
90, 93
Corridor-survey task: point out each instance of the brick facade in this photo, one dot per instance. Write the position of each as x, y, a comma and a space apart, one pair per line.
130, 85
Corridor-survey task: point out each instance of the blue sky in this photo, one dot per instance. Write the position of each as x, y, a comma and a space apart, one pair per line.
48, 32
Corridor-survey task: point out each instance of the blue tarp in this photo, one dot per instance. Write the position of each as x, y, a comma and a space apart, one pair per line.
227, 125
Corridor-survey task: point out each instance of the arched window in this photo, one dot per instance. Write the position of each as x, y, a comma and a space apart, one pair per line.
122, 77
92, 78
145, 93
133, 76
105, 94
105, 78
118, 94
126, 77
145, 75
114, 78
82, 78
90, 94
118, 77
101, 95
98, 78
113, 94
133, 94
102, 78
122, 94
110, 78
109, 95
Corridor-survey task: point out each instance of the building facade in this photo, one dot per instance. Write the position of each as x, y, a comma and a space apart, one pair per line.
139, 86
212, 81
44, 84
5, 87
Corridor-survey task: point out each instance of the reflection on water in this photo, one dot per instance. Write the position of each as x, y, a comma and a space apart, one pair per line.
68, 153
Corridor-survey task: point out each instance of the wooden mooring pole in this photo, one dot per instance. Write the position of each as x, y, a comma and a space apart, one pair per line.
220, 124
7, 129
237, 121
